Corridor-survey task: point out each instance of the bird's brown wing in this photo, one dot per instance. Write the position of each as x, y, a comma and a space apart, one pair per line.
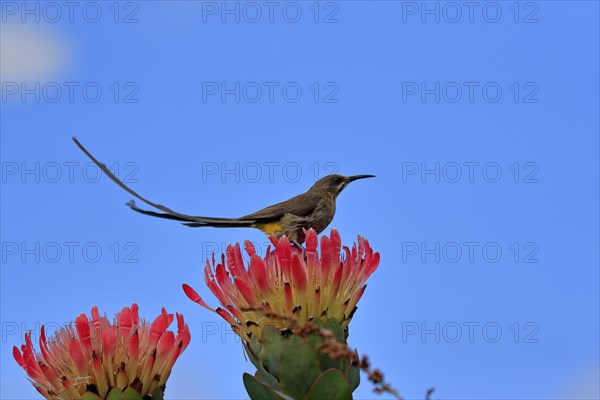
302, 205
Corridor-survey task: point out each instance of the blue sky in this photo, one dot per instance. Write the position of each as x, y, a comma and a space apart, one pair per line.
480, 122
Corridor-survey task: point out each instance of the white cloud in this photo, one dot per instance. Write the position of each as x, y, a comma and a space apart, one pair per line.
30, 53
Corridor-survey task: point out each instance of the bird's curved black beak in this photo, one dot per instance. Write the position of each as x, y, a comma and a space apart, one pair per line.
357, 177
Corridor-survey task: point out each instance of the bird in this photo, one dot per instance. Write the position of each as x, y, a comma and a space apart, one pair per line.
313, 209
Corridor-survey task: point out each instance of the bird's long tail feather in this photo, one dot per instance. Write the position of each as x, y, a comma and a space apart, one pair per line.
190, 220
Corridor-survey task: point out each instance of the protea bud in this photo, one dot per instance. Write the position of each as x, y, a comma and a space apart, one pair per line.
129, 359
283, 303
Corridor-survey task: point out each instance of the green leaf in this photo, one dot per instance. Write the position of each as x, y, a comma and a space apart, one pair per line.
272, 344
331, 384
313, 338
328, 362
299, 367
158, 394
353, 377
337, 330
264, 377
131, 394
257, 390
252, 349
90, 396
114, 394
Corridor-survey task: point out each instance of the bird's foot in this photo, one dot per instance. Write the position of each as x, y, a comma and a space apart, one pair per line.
300, 247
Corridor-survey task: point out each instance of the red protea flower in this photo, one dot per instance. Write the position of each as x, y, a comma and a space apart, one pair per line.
98, 360
291, 281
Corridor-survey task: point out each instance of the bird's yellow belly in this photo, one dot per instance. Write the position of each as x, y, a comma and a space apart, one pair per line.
271, 228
